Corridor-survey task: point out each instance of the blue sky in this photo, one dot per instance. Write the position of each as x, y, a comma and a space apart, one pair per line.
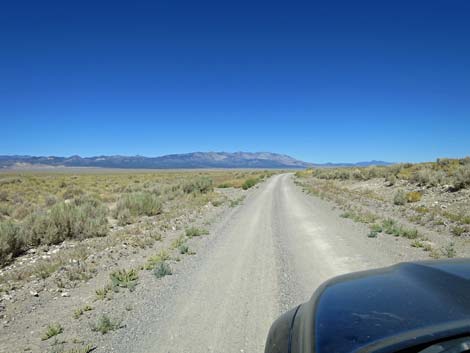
339, 81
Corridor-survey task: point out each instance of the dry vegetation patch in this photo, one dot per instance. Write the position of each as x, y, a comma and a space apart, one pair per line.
68, 236
423, 200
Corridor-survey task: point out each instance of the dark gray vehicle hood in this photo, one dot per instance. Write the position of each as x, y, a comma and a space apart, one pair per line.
396, 307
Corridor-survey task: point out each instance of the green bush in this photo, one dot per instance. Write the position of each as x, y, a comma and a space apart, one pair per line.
11, 242
249, 183
124, 279
137, 204
202, 185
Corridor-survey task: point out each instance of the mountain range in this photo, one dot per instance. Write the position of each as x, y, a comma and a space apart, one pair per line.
173, 161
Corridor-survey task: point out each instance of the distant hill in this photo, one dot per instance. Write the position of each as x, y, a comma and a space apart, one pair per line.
358, 164
175, 161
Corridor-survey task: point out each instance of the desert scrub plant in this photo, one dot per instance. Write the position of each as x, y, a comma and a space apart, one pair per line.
105, 324
138, 204
196, 232
201, 185
249, 183
66, 220
11, 242
391, 227
409, 233
183, 249
236, 202
162, 269
417, 244
376, 228
85, 349
458, 231
80, 311
124, 217
400, 198
154, 260
124, 279
103, 293
51, 331
391, 179
449, 250
413, 196
178, 242
461, 178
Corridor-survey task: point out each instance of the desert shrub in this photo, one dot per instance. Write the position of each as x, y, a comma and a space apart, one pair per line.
400, 198
5, 210
50, 200
105, 324
201, 185
357, 174
411, 233
52, 330
124, 279
449, 250
391, 179
66, 220
429, 177
154, 260
458, 231
124, 217
3, 195
376, 228
22, 211
249, 183
195, 232
461, 178
137, 204
413, 196
80, 311
389, 226
162, 269
72, 192
183, 249
103, 293
11, 242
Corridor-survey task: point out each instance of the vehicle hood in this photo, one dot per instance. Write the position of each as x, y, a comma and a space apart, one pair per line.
400, 305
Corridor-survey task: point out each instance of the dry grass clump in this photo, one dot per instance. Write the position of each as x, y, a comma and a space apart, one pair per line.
413, 196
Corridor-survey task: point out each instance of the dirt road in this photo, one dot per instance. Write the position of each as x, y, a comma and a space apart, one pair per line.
265, 257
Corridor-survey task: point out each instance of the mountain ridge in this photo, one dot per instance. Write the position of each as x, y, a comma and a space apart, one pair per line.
193, 160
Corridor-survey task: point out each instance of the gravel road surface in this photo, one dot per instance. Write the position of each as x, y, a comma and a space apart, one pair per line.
263, 258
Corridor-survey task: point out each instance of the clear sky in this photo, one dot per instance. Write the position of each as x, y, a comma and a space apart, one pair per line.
321, 81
